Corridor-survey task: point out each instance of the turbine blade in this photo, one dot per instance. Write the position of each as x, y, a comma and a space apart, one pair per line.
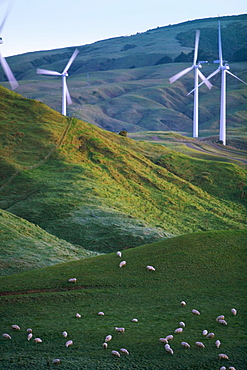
180, 74
203, 78
208, 78
14, 84
69, 100
236, 77
196, 46
220, 48
6, 16
74, 55
47, 72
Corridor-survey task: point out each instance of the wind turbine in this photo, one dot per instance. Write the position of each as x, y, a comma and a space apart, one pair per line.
197, 74
64, 74
223, 68
3, 61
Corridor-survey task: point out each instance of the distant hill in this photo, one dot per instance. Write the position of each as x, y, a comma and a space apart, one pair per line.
122, 83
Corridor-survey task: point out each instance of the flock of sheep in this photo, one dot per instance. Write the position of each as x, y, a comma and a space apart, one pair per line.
166, 340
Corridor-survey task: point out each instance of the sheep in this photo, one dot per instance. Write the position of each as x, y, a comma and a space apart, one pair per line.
195, 312
119, 330
124, 350
222, 322
205, 332
200, 344
223, 368
217, 343
100, 313
65, 334
178, 330
169, 337
30, 335
56, 361
119, 254
232, 368
168, 349
185, 344
69, 343
78, 315
115, 353
220, 317
210, 335
222, 356
105, 345
72, 280
163, 340
6, 336
29, 330
182, 324
37, 340
134, 320
183, 303
234, 311
150, 268
122, 263
108, 338
15, 327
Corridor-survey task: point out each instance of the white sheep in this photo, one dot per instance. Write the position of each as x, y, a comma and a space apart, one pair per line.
15, 327
37, 340
56, 361
195, 312
210, 335
72, 280
69, 343
65, 334
124, 350
119, 330
222, 356
217, 343
168, 349
122, 263
234, 311
223, 368
30, 335
6, 336
163, 340
178, 330
183, 303
108, 338
169, 337
200, 344
115, 353
150, 268
182, 324
29, 330
119, 254
78, 315
232, 368
220, 317
105, 345
222, 322
205, 332
100, 313
185, 344
134, 320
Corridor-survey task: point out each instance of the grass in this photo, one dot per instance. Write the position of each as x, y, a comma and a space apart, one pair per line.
152, 297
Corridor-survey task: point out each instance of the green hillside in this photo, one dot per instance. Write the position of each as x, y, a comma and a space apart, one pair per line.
122, 83
104, 191
206, 270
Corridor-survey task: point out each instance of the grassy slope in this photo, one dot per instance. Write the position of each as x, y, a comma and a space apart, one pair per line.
98, 187
25, 246
206, 270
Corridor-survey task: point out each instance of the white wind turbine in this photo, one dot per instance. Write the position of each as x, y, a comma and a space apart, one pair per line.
197, 74
3, 61
223, 68
64, 74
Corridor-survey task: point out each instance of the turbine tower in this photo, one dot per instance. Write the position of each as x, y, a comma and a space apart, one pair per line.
64, 74
197, 74
223, 68
5, 66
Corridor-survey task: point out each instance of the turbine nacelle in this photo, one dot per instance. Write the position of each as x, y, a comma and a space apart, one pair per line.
1, 40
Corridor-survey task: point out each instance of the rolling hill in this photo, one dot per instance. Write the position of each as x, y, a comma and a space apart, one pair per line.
122, 83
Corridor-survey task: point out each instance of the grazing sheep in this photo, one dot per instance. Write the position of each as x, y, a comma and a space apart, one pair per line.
168, 349
101, 313
232, 368
150, 268
119, 330
115, 353
37, 340
134, 320
72, 280
223, 368
163, 340
221, 317
56, 361
69, 343
200, 344
195, 312
185, 344
178, 330
105, 345
222, 322
108, 338
122, 263
183, 303
119, 254
65, 334
29, 330
217, 343
210, 335
6, 336
234, 311
78, 315
124, 350
182, 324
169, 337
205, 332
222, 356
30, 335
15, 327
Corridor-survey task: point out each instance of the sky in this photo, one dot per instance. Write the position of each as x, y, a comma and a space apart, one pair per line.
34, 25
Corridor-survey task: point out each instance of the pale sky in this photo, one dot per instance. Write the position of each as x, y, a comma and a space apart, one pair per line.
34, 25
